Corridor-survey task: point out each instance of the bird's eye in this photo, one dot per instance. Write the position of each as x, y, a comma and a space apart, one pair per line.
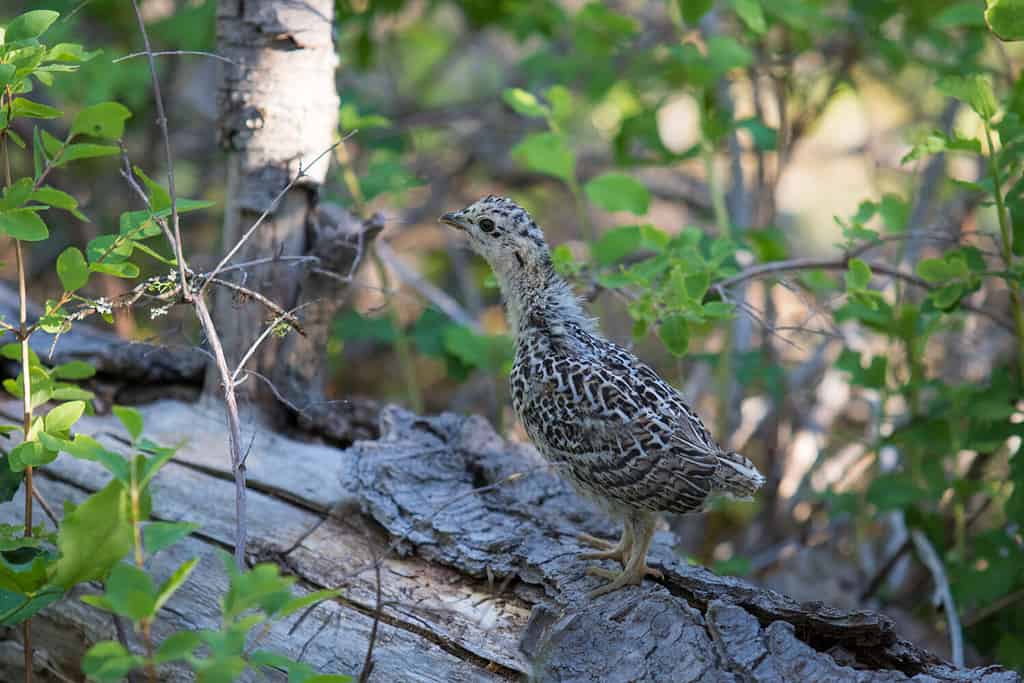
487, 225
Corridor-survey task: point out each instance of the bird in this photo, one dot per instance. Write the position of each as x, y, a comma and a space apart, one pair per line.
620, 434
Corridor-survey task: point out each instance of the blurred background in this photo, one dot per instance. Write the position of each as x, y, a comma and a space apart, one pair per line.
787, 208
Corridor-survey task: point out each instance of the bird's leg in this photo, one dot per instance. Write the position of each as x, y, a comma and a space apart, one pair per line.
618, 552
636, 565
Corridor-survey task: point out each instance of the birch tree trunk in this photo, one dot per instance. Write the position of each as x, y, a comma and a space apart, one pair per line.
278, 110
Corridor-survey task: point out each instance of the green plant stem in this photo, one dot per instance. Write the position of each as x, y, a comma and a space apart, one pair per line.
1006, 246
145, 623
26, 383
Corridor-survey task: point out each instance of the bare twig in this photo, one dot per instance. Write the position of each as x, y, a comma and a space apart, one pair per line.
270, 209
879, 577
267, 331
234, 426
46, 506
434, 295
161, 120
1002, 603
164, 53
931, 560
364, 675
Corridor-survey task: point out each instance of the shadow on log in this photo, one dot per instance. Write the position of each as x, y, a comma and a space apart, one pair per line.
476, 543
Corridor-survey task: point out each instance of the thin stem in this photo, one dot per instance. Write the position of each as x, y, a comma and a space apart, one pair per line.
1006, 246
26, 389
234, 426
269, 210
146, 623
161, 120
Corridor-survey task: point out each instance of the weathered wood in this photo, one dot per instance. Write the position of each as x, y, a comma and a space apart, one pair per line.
282, 72
476, 544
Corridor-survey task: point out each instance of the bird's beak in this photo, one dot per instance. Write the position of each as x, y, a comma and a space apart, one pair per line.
452, 218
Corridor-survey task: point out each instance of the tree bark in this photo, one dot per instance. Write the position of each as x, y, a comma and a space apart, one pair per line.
278, 109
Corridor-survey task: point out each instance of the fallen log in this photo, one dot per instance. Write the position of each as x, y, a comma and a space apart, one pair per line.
475, 540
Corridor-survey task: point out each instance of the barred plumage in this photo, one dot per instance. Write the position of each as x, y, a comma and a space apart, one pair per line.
618, 432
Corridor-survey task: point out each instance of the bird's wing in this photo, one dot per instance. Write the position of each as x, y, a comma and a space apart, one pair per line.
622, 432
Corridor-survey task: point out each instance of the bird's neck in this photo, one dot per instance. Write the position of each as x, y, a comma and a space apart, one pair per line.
537, 295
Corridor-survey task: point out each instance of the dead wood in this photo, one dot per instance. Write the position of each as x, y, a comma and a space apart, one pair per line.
479, 576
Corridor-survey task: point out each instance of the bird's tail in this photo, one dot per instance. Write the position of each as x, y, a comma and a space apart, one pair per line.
736, 476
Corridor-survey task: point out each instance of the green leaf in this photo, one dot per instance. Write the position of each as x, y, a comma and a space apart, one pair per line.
7, 74
30, 110
1006, 18
34, 110
894, 492
124, 270
69, 52
29, 25
30, 454
16, 607
894, 212
177, 646
108, 660
75, 369
975, 90
618, 192
10, 480
16, 194
72, 270
93, 537
765, 138
968, 13
613, 245
86, 150
546, 153
726, 54
697, 284
525, 103
945, 298
103, 120
933, 270
752, 15
131, 419
61, 200
130, 592
674, 333
23, 570
23, 224
693, 10
179, 577
859, 274
60, 420
157, 536
261, 587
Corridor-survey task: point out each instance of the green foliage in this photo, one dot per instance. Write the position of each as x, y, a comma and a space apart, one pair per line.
1006, 18
618, 192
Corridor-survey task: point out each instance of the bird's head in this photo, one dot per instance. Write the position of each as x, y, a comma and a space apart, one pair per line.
503, 233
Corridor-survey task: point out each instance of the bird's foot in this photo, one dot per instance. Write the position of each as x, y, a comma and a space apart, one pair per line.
628, 577
606, 550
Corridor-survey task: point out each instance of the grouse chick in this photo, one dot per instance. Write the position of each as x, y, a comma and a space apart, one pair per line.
618, 432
